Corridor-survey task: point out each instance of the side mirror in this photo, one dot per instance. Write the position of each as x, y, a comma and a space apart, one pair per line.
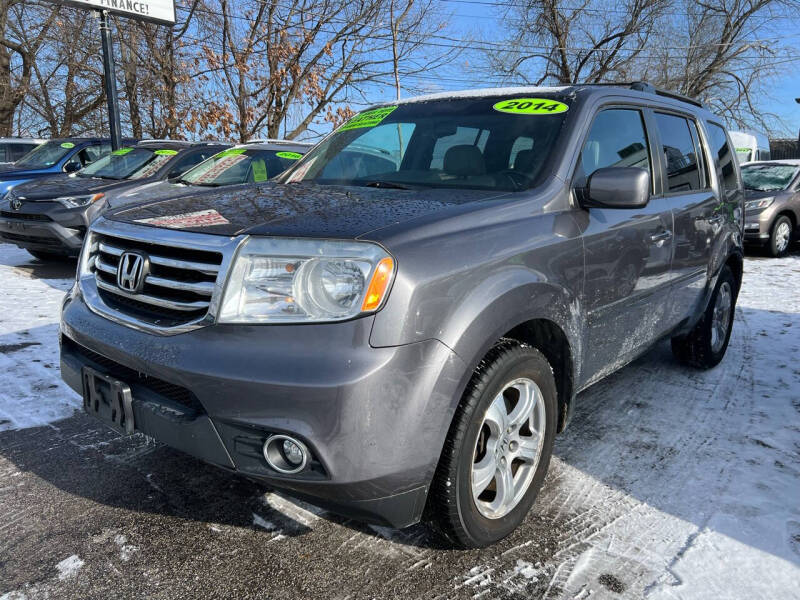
72, 166
618, 187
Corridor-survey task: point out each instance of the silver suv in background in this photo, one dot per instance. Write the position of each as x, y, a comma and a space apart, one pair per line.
772, 206
398, 326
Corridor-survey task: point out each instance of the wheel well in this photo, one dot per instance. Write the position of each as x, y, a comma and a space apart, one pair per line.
787, 213
736, 265
549, 339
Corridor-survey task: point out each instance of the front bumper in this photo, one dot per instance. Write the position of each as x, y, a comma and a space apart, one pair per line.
45, 226
758, 225
375, 419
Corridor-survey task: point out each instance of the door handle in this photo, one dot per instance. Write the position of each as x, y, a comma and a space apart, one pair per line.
659, 238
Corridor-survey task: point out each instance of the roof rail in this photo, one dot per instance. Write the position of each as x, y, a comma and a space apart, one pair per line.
649, 88
272, 141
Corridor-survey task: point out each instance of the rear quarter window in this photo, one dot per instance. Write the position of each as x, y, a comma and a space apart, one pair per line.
724, 158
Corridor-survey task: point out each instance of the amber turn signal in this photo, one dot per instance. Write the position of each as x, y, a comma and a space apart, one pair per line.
378, 284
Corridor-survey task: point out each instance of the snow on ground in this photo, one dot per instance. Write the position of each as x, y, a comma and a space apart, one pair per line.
670, 483
30, 297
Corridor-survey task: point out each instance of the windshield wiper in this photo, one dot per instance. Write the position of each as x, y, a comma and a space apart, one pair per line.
204, 184
387, 185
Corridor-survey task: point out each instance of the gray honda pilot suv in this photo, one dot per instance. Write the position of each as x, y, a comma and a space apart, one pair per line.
399, 325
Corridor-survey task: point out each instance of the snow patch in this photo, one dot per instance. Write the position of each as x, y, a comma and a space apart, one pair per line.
69, 567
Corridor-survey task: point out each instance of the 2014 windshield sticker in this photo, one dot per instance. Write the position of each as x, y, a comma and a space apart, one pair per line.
67, 145
289, 155
368, 118
165, 152
531, 106
121, 151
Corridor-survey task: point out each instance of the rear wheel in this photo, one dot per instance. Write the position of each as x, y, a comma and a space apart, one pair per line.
498, 448
706, 344
781, 236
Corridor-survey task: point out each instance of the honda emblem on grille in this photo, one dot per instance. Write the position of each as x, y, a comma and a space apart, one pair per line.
131, 272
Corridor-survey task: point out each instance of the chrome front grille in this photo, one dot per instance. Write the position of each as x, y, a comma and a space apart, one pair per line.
181, 285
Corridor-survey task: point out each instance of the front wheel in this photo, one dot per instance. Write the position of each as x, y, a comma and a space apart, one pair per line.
781, 236
498, 448
706, 344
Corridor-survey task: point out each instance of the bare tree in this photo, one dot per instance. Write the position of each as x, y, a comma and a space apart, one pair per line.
585, 42
724, 52
279, 62
23, 30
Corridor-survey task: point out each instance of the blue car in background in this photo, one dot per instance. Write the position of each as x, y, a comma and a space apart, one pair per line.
65, 155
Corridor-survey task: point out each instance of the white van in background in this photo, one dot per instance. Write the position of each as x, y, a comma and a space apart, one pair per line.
750, 145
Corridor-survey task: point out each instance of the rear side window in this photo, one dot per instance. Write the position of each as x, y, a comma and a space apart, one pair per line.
723, 158
617, 139
680, 154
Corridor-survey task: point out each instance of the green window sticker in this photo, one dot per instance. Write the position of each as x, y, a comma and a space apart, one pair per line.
67, 145
743, 149
121, 151
231, 152
166, 152
531, 106
289, 155
259, 170
368, 118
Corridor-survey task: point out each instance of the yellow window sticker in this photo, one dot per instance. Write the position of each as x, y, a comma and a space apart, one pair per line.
231, 152
289, 155
121, 151
368, 118
67, 145
531, 106
165, 152
259, 170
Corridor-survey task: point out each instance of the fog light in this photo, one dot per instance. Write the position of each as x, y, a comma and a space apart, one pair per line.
285, 454
292, 452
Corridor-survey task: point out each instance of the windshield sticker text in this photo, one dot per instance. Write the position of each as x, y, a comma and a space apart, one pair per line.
531, 106
289, 155
368, 118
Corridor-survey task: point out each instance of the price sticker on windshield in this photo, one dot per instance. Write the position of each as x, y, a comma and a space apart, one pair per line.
165, 152
289, 155
531, 106
369, 118
121, 151
67, 145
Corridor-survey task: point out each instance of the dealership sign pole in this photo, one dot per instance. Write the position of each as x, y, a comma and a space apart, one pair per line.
156, 11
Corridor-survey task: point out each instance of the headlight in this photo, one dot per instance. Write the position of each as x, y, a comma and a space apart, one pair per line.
763, 203
295, 280
77, 201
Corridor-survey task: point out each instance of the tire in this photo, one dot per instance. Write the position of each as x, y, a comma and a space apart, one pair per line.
780, 238
468, 522
706, 344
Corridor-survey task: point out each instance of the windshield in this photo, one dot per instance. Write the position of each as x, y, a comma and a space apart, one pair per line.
129, 163
45, 155
240, 165
480, 143
768, 178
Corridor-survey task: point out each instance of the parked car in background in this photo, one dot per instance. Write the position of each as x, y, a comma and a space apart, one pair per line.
49, 216
772, 207
12, 149
750, 146
248, 163
402, 338
65, 155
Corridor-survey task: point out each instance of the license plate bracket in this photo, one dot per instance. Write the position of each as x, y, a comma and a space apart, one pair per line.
108, 399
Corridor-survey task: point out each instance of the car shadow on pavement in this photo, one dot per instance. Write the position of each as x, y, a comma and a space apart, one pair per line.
52, 271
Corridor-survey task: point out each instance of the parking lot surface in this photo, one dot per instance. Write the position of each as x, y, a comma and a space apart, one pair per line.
669, 483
